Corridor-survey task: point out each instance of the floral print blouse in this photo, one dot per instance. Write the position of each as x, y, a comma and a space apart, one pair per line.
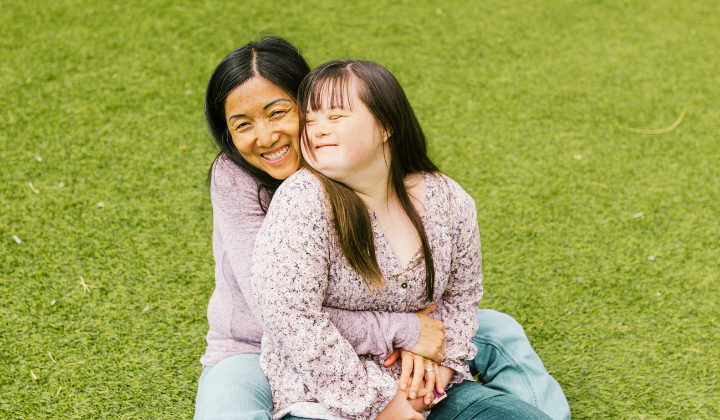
298, 267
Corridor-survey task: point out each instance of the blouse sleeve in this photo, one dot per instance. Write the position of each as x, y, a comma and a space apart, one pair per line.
290, 279
459, 303
238, 217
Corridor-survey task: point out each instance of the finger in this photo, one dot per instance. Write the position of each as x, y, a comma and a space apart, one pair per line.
418, 374
430, 381
392, 358
407, 367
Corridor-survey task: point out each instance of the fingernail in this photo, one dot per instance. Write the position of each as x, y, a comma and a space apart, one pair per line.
403, 386
413, 395
441, 390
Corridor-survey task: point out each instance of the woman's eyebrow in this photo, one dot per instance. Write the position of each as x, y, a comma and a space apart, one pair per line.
274, 102
237, 116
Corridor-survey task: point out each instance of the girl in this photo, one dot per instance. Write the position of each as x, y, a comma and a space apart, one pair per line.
369, 224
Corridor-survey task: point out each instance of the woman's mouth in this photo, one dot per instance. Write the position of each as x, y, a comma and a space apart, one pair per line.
276, 155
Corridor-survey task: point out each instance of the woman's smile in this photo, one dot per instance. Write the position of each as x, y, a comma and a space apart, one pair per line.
276, 156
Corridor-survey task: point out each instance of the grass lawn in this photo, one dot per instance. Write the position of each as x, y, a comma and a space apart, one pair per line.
603, 243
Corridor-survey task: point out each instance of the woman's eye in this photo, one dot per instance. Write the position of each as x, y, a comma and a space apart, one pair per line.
278, 113
335, 117
242, 126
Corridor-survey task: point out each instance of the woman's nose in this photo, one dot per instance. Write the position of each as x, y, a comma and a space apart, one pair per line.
266, 136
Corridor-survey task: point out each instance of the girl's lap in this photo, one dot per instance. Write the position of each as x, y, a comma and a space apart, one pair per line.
470, 401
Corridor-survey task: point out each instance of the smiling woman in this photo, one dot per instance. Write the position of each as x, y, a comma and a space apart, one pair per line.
263, 123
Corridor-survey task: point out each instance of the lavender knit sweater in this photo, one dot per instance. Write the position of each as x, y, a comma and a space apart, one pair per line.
233, 315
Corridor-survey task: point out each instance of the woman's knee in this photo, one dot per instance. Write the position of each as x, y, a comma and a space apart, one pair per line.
492, 323
235, 388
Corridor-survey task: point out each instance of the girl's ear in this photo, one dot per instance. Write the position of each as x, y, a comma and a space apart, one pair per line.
386, 134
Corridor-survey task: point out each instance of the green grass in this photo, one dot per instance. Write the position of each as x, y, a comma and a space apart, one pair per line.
509, 93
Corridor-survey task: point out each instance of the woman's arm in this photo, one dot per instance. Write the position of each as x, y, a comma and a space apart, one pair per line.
459, 302
290, 266
238, 218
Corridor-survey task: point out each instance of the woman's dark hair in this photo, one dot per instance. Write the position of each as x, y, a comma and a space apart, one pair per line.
275, 60
329, 86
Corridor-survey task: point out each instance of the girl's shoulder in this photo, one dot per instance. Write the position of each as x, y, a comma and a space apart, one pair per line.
459, 198
301, 192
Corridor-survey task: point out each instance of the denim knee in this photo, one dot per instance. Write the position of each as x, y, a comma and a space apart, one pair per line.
235, 388
507, 362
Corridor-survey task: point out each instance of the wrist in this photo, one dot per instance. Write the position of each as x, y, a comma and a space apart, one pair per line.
445, 374
408, 332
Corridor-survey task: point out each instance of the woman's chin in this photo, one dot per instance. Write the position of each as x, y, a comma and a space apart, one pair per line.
285, 170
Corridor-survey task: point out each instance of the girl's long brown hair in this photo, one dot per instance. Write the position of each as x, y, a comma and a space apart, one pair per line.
382, 94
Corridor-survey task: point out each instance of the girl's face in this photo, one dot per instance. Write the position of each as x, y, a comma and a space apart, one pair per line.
263, 122
347, 141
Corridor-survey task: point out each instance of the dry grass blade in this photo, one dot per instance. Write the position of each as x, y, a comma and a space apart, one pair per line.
660, 131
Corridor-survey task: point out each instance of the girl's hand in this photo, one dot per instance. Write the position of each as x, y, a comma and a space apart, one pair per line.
431, 341
424, 376
399, 408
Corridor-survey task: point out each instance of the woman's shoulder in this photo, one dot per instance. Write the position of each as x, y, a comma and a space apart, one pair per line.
226, 174
231, 187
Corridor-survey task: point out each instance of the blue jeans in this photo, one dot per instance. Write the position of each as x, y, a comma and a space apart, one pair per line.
471, 401
236, 387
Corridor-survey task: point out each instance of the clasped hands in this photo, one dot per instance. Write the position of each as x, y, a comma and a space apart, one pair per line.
422, 362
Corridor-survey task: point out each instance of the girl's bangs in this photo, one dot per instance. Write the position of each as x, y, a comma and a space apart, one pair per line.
330, 89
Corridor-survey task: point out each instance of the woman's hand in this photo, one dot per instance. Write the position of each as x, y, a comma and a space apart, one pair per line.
431, 341
399, 408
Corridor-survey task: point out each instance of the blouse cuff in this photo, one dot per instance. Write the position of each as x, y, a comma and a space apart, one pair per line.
407, 330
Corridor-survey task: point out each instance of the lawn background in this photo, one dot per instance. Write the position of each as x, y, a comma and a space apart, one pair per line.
522, 104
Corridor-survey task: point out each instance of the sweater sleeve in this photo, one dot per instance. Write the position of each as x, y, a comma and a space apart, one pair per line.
238, 217
459, 302
290, 280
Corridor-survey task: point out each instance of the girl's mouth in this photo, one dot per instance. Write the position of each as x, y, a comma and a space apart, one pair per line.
276, 155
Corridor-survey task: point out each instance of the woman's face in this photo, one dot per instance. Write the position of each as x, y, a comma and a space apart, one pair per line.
347, 142
263, 122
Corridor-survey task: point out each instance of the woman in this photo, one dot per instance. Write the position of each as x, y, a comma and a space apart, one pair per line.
251, 114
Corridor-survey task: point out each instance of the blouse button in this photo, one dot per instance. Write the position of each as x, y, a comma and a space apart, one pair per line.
404, 285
